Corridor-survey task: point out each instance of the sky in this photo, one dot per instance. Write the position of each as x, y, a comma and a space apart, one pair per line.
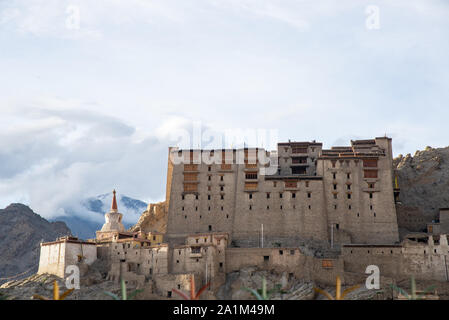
92, 93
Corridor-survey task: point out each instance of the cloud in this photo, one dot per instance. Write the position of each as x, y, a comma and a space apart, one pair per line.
81, 117
54, 158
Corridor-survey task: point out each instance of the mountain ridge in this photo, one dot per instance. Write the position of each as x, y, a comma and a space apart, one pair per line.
21, 231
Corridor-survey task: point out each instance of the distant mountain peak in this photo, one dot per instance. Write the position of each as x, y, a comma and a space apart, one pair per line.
86, 219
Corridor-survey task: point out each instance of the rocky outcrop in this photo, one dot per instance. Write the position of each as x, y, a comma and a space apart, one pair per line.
153, 219
21, 231
424, 182
286, 287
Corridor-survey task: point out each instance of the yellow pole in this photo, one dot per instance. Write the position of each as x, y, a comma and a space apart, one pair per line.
338, 289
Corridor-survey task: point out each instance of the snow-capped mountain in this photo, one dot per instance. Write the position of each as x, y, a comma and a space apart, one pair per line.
88, 216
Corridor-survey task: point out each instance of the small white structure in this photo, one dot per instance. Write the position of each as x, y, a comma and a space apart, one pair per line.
57, 255
113, 218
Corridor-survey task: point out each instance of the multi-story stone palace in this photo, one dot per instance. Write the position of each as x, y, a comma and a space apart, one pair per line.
341, 195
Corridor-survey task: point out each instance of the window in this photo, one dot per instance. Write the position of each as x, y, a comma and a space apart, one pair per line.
333, 164
299, 149
208, 208
169, 294
302, 160
196, 208
281, 207
182, 197
335, 206
280, 195
370, 173
349, 207
335, 196
250, 207
326, 263
182, 208
337, 226
299, 170
281, 252
334, 175
209, 168
251, 175
221, 178
209, 178
222, 208
293, 195
292, 252
370, 163
274, 184
266, 258
291, 184
221, 188
222, 197
196, 197
348, 176
210, 227
250, 195
370, 195
190, 187
335, 186
309, 195
268, 195
371, 207
348, 186
349, 196
209, 188
268, 207
307, 184
208, 197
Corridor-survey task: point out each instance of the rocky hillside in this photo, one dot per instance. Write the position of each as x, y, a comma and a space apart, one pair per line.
21, 231
424, 182
154, 218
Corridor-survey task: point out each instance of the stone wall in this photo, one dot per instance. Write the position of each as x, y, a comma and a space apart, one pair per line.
423, 261
164, 284
56, 256
289, 260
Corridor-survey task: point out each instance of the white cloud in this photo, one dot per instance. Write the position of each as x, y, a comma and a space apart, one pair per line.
53, 158
143, 71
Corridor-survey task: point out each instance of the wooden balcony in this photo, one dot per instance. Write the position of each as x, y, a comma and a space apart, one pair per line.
190, 167
226, 166
251, 186
251, 165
